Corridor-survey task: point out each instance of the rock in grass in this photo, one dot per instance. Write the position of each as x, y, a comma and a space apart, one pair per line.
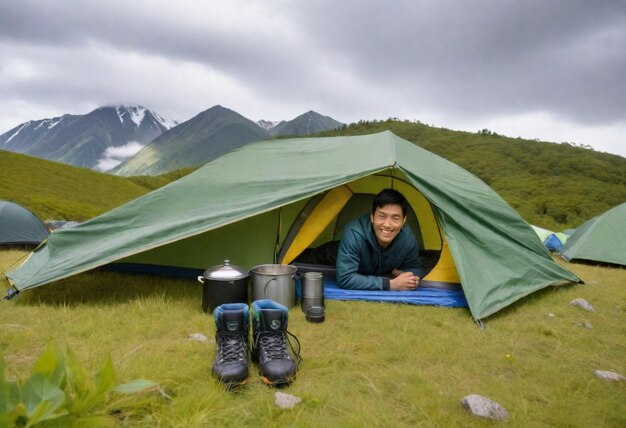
286, 401
484, 407
606, 375
198, 337
582, 303
586, 324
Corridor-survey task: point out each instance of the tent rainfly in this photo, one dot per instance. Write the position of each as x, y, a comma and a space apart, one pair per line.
268, 201
18, 226
601, 239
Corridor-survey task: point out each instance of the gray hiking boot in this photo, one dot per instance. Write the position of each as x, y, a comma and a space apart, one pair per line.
269, 343
231, 339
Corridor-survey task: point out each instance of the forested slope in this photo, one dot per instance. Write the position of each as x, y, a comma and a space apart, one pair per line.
556, 186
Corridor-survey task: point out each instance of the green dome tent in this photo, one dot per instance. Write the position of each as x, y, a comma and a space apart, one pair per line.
18, 226
254, 205
601, 239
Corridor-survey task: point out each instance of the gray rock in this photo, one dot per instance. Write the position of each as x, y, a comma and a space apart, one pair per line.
198, 337
286, 401
586, 324
484, 407
582, 303
606, 375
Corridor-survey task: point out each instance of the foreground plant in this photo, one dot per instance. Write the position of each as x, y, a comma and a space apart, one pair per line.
58, 389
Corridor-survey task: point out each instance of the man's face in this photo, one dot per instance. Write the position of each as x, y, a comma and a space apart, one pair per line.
387, 222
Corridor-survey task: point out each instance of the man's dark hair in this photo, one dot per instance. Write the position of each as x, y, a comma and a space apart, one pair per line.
390, 196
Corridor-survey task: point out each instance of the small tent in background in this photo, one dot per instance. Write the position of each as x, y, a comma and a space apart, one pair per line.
18, 226
601, 239
553, 241
267, 202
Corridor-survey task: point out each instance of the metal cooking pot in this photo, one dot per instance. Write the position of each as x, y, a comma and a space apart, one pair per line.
275, 282
224, 284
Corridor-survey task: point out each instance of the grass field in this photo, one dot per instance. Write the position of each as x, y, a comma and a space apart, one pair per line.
368, 364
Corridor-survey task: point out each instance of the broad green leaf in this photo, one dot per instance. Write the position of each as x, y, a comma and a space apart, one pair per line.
47, 410
89, 399
75, 373
40, 396
51, 364
105, 378
134, 386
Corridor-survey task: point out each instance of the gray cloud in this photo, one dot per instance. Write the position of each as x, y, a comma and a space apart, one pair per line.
487, 56
456, 62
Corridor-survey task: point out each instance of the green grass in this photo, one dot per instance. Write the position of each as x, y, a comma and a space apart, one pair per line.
368, 364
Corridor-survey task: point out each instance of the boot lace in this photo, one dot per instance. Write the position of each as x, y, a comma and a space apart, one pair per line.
232, 347
274, 346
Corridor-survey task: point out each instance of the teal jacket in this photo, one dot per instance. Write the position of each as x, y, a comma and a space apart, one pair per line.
363, 264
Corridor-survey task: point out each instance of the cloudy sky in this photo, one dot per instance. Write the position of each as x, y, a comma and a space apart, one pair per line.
548, 69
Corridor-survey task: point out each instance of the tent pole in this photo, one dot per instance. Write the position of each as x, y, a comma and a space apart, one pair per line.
280, 220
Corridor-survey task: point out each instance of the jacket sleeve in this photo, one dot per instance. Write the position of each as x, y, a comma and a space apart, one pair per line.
412, 262
348, 266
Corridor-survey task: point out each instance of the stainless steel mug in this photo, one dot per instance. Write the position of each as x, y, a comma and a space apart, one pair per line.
312, 290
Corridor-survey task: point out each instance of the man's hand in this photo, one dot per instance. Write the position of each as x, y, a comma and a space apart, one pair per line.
404, 281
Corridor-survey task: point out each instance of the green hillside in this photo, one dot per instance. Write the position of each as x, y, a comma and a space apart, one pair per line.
58, 191
152, 182
556, 186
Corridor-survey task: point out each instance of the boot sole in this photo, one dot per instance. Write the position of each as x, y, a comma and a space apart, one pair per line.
277, 382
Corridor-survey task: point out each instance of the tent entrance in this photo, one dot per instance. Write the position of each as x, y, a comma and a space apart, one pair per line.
314, 235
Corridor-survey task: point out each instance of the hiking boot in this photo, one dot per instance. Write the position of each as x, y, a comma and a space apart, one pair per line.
232, 322
269, 343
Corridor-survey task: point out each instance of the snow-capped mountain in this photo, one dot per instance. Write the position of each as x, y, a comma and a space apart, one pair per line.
133, 140
267, 124
204, 137
138, 113
211, 134
98, 140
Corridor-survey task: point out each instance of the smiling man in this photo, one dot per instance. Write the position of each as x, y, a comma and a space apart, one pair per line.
378, 251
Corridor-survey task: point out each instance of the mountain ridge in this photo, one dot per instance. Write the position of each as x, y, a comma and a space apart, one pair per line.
82, 140
210, 134
205, 136
134, 140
